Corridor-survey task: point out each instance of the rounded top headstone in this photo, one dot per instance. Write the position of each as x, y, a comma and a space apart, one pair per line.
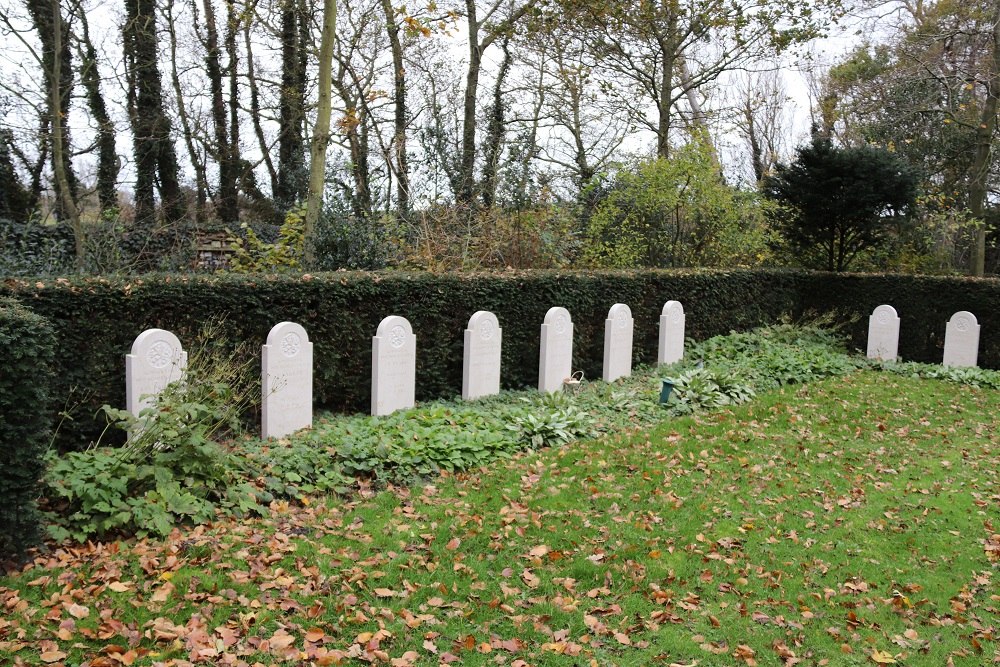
964, 320
395, 329
157, 347
620, 314
559, 318
288, 337
674, 310
884, 314
485, 324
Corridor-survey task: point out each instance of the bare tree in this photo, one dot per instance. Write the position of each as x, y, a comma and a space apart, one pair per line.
761, 120
58, 75
321, 131
155, 157
399, 162
295, 40
90, 78
190, 127
357, 68
577, 103
663, 52
483, 30
60, 147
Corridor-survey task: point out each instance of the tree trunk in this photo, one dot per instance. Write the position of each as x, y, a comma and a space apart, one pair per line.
359, 167
354, 128
59, 150
229, 173
667, 44
756, 149
57, 69
107, 156
213, 68
401, 167
255, 118
321, 131
467, 180
699, 119
197, 163
291, 108
155, 158
980, 168
38, 166
493, 145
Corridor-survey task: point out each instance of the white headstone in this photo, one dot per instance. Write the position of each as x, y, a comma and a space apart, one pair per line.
481, 365
671, 333
394, 366
555, 357
286, 381
157, 359
961, 340
618, 343
883, 334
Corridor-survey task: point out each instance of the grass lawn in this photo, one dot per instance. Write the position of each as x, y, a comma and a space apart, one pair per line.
851, 521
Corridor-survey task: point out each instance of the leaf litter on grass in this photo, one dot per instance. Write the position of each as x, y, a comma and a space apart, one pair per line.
853, 521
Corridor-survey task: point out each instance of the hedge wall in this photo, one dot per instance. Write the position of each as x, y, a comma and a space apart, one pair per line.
924, 305
26, 353
96, 319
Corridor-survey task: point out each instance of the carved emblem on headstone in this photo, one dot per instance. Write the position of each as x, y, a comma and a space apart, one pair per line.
486, 330
397, 337
291, 344
160, 354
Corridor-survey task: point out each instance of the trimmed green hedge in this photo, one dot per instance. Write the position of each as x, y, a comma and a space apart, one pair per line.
26, 354
96, 319
924, 305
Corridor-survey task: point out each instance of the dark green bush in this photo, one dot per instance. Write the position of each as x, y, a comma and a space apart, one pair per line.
31, 249
96, 319
26, 354
924, 305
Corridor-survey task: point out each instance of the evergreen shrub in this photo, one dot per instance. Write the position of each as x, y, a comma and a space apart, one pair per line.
96, 319
26, 355
924, 305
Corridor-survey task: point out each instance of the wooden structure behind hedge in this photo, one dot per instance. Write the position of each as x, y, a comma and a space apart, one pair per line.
96, 319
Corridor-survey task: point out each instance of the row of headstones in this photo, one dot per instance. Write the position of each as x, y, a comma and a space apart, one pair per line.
157, 358
961, 337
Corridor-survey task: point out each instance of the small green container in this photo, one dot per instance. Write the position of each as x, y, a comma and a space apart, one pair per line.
668, 387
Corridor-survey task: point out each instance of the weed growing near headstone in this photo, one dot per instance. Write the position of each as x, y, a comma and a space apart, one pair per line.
173, 466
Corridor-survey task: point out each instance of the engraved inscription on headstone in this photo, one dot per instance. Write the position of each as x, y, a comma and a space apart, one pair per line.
671, 333
555, 356
156, 360
618, 343
481, 363
961, 340
286, 381
883, 334
394, 366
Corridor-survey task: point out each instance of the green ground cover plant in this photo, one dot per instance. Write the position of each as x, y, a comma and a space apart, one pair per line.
186, 458
848, 521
